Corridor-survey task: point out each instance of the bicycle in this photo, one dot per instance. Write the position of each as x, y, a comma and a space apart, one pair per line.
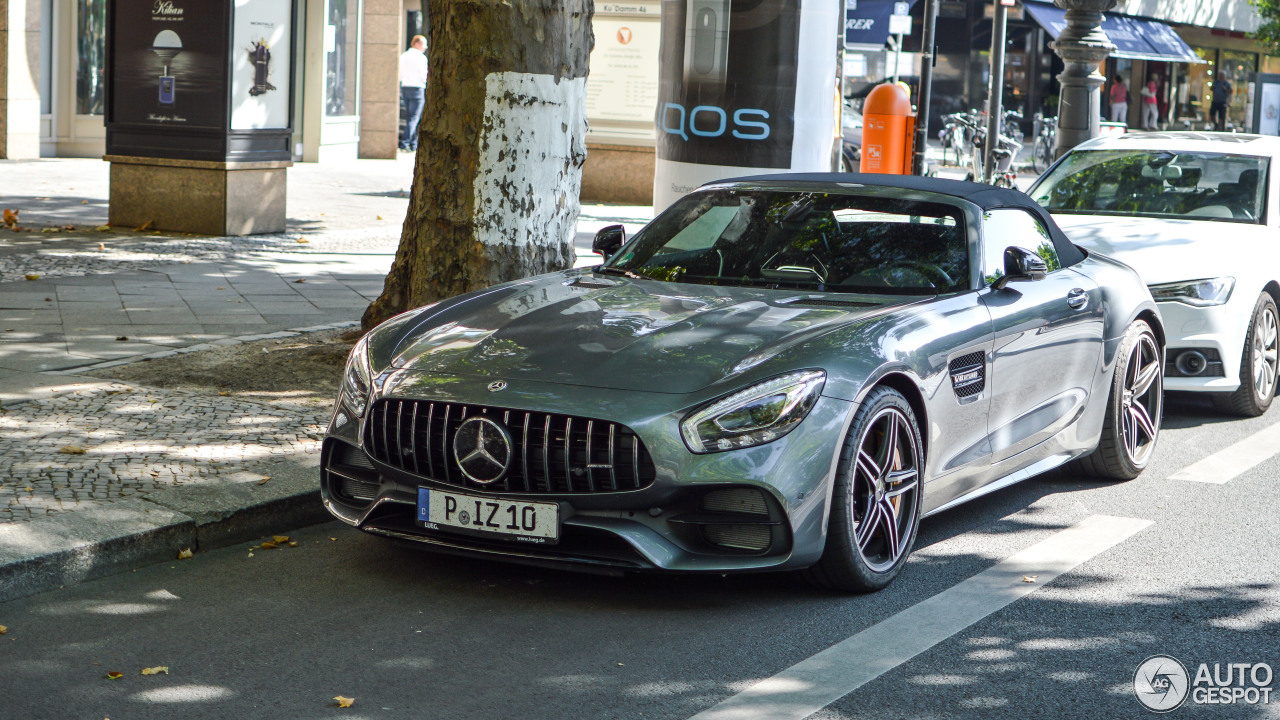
1046, 138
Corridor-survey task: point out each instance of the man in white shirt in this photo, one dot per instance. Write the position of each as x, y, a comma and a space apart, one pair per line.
413, 89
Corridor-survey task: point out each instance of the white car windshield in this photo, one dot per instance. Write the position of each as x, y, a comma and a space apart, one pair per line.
1157, 183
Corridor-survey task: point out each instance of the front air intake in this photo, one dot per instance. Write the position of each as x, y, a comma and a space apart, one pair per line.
754, 538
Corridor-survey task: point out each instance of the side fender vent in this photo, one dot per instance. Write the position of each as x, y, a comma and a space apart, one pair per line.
969, 374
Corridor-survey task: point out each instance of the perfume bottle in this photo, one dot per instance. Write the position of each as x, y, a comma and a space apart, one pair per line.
166, 46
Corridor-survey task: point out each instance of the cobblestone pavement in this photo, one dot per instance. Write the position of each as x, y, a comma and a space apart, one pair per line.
91, 447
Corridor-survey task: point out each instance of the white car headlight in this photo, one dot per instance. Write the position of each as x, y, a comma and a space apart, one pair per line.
1201, 293
760, 414
356, 380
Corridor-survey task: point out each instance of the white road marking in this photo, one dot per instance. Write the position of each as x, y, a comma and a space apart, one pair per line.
809, 686
1224, 465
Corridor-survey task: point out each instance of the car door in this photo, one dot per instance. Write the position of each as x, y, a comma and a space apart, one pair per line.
1047, 342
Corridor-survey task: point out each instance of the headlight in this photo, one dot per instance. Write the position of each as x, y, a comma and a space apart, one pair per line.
356, 380
754, 416
1200, 293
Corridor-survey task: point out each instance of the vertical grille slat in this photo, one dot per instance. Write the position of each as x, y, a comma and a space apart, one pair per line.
621, 464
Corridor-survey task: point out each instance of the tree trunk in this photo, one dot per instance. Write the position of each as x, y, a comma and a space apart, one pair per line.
500, 150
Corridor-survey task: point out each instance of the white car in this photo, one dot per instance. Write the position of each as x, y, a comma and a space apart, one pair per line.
1197, 215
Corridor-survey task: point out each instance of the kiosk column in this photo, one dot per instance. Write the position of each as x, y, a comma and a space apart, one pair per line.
199, 114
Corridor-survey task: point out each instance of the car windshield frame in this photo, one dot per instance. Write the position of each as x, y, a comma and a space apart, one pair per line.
802, 239
1175, 175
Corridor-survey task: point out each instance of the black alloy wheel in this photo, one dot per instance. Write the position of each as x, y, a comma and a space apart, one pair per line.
1134, 409
875, 507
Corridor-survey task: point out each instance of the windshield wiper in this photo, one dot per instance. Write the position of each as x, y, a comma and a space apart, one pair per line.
606, 270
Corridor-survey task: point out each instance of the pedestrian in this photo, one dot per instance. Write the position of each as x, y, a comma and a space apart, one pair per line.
413, 90
1221, 96
1119, 100
1150, 105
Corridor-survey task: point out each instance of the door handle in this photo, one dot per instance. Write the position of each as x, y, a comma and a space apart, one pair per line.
1077, 299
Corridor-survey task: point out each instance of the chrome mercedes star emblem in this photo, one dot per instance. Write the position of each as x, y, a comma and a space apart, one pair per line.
482, 448
497, 385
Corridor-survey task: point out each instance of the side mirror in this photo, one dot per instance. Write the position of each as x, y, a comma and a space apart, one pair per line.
1020, 265
608, 241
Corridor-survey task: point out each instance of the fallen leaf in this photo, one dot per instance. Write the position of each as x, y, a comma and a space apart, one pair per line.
51, 229
115, 675
102, 246
29, 488
31, 276
103, 228
185, 554
333, 538
69, 228
293, 543
4, 630
300, 280
269, 546
302, 241
278, 539
121, 338
222, 287
48, 299
264, 480
344, 702
84, 202
1029, 578
155, 670
250, 553
11, 217
148, 225
223, 393
72, 450
379, 217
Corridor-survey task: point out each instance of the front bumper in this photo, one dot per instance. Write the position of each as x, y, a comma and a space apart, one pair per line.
1220, 328
658, 527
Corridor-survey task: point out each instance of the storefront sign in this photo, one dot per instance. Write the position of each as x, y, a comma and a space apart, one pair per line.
622, 89
744, 87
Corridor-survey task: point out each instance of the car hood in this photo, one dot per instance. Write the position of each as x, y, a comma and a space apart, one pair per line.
1166, 250
619, 333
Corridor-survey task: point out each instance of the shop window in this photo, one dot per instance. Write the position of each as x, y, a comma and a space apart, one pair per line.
1238, 66
91, 33
341, 74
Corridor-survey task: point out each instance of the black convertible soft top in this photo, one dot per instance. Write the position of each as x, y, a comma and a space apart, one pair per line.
986, 197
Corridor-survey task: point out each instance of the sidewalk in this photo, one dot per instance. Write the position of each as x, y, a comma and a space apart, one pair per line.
98, 476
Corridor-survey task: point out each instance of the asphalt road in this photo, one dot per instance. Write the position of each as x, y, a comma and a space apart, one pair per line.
409, 634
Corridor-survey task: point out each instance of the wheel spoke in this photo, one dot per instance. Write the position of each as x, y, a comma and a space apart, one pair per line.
1142, 421
892, 538
889, 443
868, 466
867, 529
1146, 376
901, 481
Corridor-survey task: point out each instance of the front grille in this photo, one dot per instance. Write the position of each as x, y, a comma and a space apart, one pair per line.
551, 453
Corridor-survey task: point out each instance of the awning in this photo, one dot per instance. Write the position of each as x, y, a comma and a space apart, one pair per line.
866, 23
1134, 38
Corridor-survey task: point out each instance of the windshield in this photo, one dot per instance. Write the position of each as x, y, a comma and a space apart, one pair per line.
1157, 183
829, 242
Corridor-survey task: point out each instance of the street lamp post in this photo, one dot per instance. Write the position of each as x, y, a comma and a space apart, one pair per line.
1082, 46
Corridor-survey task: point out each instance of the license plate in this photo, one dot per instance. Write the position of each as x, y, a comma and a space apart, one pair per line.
519, 520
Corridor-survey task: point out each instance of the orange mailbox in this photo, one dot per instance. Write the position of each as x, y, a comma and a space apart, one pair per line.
888, 128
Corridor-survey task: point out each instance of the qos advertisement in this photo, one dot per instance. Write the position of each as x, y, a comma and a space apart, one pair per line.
744, 86
170, 64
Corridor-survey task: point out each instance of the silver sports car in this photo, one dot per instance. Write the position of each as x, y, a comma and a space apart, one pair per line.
780, 372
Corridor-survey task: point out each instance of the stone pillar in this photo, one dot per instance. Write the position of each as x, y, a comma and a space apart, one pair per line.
19, 79
380, 78
198, 196
1082, 46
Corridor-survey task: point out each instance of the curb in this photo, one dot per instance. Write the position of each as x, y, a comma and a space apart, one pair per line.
74, 547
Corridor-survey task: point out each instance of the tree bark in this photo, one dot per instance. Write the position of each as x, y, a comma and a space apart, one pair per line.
500, 150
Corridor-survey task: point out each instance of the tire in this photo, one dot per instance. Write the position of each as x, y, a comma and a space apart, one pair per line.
878, 477
1134, 407
1258, 364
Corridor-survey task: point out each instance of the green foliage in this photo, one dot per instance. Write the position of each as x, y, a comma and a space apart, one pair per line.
1268, 32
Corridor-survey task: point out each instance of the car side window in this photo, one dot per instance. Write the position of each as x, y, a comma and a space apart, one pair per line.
1012, 226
